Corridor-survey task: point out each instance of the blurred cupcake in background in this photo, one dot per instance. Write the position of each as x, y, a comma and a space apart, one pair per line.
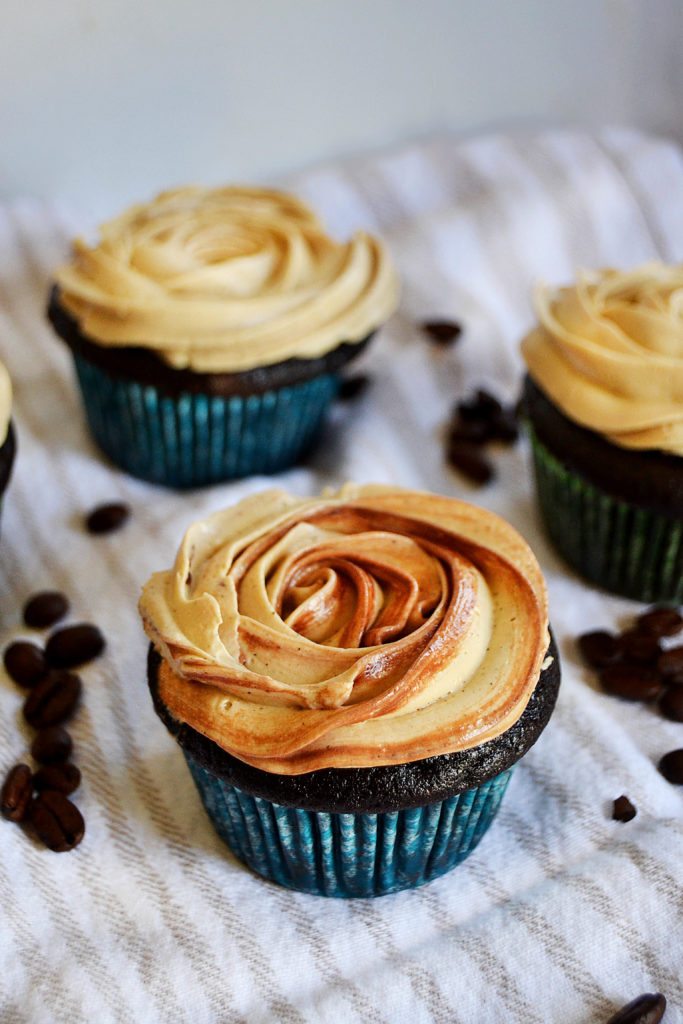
7, 438
209, 328
604, 402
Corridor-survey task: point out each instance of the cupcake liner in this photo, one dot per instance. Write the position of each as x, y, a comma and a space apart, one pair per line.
190, 440
628, 549
348, 855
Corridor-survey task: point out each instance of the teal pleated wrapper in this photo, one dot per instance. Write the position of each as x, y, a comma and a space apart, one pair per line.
627, 549
349, 855
192, 440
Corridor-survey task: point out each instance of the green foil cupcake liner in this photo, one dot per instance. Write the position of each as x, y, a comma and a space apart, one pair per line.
348, 855
627, 549
191, 440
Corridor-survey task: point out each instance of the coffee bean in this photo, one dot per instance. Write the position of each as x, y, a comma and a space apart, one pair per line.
53, 699
489, 405
646, 1009
51, 745
640, 647
57, 821
671, 767
671, 704
45, 608
504, 426
599, 648
443, 332
16, 794
353, 387
467, 458
74, 645
631, 682
623, 809
107, 518
476, 431
25, 663
63, 778
670, 663
661, 621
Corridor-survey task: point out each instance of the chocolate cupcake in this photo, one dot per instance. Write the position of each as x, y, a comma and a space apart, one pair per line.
351, 679
7, 438
604, 403
209, 328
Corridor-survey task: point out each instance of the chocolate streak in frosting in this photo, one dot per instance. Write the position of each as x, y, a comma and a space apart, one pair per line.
5, 403
372, 627
609, 353
225, 280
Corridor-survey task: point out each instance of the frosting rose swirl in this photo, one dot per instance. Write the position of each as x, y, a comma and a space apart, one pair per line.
609, 353
224, 280
374, 626
5, 403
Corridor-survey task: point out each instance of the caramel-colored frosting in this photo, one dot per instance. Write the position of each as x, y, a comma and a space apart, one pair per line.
371, 627
5, 403
224, 280
609, 353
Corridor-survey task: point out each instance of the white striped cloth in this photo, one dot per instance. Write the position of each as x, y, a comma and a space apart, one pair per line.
561, 914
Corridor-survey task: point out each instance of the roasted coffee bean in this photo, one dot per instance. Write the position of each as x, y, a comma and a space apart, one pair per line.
62, 778
443, 332
646, 1009
25, 663
476, 431
353, 387
53, 700
74, 645
468, 460
661, 621
640, 647
623, 809
504, 427
631, 682
599, 648
671, 767
107, 518
52, 745
16, 794
671, 704
670, 663
57, 821
45, 608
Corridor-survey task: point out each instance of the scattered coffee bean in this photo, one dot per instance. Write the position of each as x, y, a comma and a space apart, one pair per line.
16, 794
468, 459
74, 645
671, 704
670, 663
599, 648
57, 821
353, 387
671, 767
45, 608
631, 682
640, 647
107, 518
52, 745
661, 621
63, 778
25, 663
623, 809
53, 700
443, 332
646, 1009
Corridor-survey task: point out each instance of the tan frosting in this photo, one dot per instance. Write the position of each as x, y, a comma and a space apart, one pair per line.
373, 626
609, 352
223, 280
5, 402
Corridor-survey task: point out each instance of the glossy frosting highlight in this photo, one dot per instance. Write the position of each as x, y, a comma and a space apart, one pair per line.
373, 626
5, 402
225, 280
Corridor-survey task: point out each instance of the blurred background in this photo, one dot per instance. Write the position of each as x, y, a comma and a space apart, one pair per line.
106, 101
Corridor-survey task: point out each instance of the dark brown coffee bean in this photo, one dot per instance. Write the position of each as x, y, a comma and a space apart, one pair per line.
57, 821
646, 1009
504, 426
16, 794
353, 387
107, 518
53, 700
631, 682
670, 663
640, 647
468, 460
671, 767
45, 608
443, 332
74, 645
63, 778
51, 745
671, 704
661, 621
25, 663
599, 648
623, 809
476, 431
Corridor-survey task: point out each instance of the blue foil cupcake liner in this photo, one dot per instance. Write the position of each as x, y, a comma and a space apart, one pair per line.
191, 440
349, 855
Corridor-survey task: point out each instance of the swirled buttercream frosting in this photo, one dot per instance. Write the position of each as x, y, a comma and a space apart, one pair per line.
5, 403
225, 280
609, 353
370, 627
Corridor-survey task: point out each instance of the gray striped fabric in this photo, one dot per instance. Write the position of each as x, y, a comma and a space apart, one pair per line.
561, 914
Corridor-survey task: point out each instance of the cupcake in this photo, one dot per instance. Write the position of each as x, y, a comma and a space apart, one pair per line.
7, 439
604, 403
351, 679
209, 328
